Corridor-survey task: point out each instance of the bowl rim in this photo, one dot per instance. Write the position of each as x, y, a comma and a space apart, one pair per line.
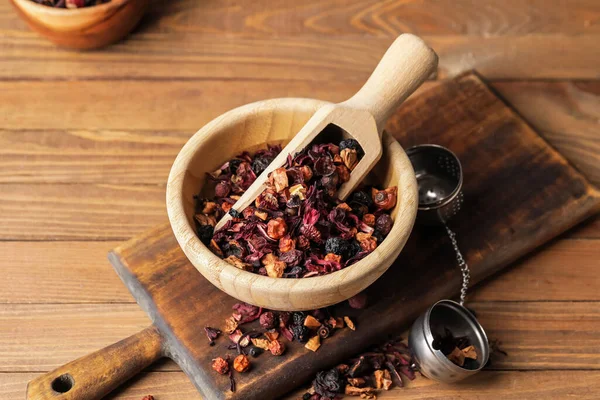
217, 268
65, 12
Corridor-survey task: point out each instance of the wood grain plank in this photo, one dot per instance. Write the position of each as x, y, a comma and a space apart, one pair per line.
568, 114
563, 270
546, 335
77, 212
88, 156
498, 385
138, 105
59, 272
536, 335
162, 385
188, 56
364, 17
35, 338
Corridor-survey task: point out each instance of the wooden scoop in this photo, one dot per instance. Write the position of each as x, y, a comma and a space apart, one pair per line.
405, 65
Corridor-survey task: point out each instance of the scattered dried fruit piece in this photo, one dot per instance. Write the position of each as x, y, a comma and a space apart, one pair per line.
276, 347
272, 334
350, 158
220, 365
369, 219
236, 262
241, 363
261, 214
279, 179
268, 320
313, 343
276, 228
385, 199
355, 391
457, 357
349, 323
298, 190
231, 325
273, 265
261, 343
470, 352
311, 322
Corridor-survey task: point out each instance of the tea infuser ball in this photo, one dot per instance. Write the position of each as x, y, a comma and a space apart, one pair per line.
439, 179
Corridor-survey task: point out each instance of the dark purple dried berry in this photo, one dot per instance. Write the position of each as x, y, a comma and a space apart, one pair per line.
260, 164
205, 233
361, 198
329, 383
235, 213
254, 351
298, 318
301, 333
351, 144
234, 164
384, 224
354, 248
268, 320
284, 318
378, 236
339, 246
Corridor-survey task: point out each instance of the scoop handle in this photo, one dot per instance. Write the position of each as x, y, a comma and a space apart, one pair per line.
405, 65
94, 376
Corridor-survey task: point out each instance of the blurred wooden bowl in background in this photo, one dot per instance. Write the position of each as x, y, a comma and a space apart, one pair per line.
83, 28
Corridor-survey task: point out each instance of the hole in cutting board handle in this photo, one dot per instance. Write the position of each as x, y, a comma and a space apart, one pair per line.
63, 383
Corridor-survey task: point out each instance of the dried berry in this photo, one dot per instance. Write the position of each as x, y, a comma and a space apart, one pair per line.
384, 224
385, 199
222, 189
358, 301
298, 318
285, 233
276, 348
268, 320
337, 245
205, 234
220, 365
241, 363
300, 332
254, 351
235, 213
259, 164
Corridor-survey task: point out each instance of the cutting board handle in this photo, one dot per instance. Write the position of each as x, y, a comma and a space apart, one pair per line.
94, 376
404, 66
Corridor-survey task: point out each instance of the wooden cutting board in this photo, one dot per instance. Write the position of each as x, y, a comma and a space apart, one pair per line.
519, 193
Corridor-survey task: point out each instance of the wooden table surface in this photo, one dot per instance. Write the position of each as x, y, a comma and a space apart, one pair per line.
87, 140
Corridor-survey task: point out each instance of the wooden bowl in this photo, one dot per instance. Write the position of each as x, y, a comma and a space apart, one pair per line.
83, 28
248, 128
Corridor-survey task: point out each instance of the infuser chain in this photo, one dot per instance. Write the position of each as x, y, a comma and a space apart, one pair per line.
464, 268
